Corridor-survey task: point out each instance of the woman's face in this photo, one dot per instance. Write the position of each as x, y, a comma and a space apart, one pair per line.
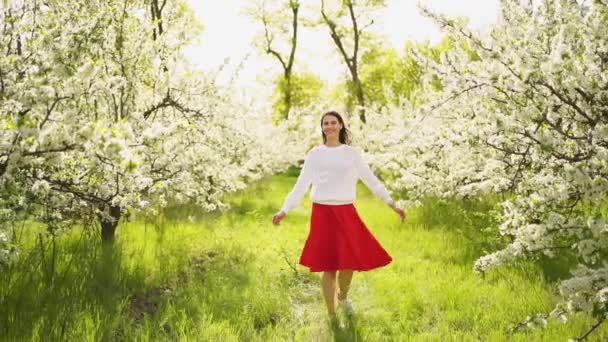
331, 126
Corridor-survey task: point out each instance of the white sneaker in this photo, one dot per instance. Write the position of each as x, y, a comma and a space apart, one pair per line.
346, 306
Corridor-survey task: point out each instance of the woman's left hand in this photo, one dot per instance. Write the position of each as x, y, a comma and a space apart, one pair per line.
278, 217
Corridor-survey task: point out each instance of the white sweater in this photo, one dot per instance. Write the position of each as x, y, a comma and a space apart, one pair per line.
333, 172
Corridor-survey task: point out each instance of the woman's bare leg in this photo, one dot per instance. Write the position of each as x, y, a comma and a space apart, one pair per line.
328, 283
344, 279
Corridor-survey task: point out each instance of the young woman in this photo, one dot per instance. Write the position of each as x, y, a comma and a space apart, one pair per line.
338, 242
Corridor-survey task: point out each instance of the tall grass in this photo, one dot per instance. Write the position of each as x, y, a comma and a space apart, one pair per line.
233, 276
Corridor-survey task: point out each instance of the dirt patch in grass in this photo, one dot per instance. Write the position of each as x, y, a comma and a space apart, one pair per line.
148, 302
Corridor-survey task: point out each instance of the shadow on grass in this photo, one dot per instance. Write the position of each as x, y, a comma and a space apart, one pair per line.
87, 292
348, 332
223, 273
222, 287
472, 225
62, 284
557, 268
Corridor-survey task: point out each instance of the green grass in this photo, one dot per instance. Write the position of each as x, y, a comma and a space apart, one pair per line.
233, 277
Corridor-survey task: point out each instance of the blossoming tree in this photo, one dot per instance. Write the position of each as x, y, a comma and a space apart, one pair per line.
523, 111
101, 116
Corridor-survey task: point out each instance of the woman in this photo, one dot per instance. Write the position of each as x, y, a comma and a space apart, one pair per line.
338, 242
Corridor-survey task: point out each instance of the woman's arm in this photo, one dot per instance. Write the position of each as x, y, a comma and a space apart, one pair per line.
371, 181
374, 184
294, 197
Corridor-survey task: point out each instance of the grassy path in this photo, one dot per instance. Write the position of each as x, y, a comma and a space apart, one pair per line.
233, 277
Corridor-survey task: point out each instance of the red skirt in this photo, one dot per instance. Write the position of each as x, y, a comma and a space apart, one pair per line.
339, 240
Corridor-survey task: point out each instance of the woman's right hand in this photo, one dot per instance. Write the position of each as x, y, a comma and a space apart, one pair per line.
399, 211
278, 217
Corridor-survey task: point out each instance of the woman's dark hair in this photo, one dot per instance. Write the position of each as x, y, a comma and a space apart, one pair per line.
344, 136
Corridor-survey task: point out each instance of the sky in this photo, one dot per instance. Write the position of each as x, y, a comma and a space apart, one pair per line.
228, 35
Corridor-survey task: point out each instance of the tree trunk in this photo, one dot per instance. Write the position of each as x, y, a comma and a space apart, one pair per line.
287, 95
108, 227
359, 95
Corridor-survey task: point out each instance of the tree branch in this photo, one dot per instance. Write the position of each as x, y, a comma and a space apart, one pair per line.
335, 37
52, 150
595, 326
295, 6
568, 101
356, 33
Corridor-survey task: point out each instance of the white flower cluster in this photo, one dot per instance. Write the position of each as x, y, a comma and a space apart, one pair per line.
8, 251
520, 112
101, 118
524, 111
